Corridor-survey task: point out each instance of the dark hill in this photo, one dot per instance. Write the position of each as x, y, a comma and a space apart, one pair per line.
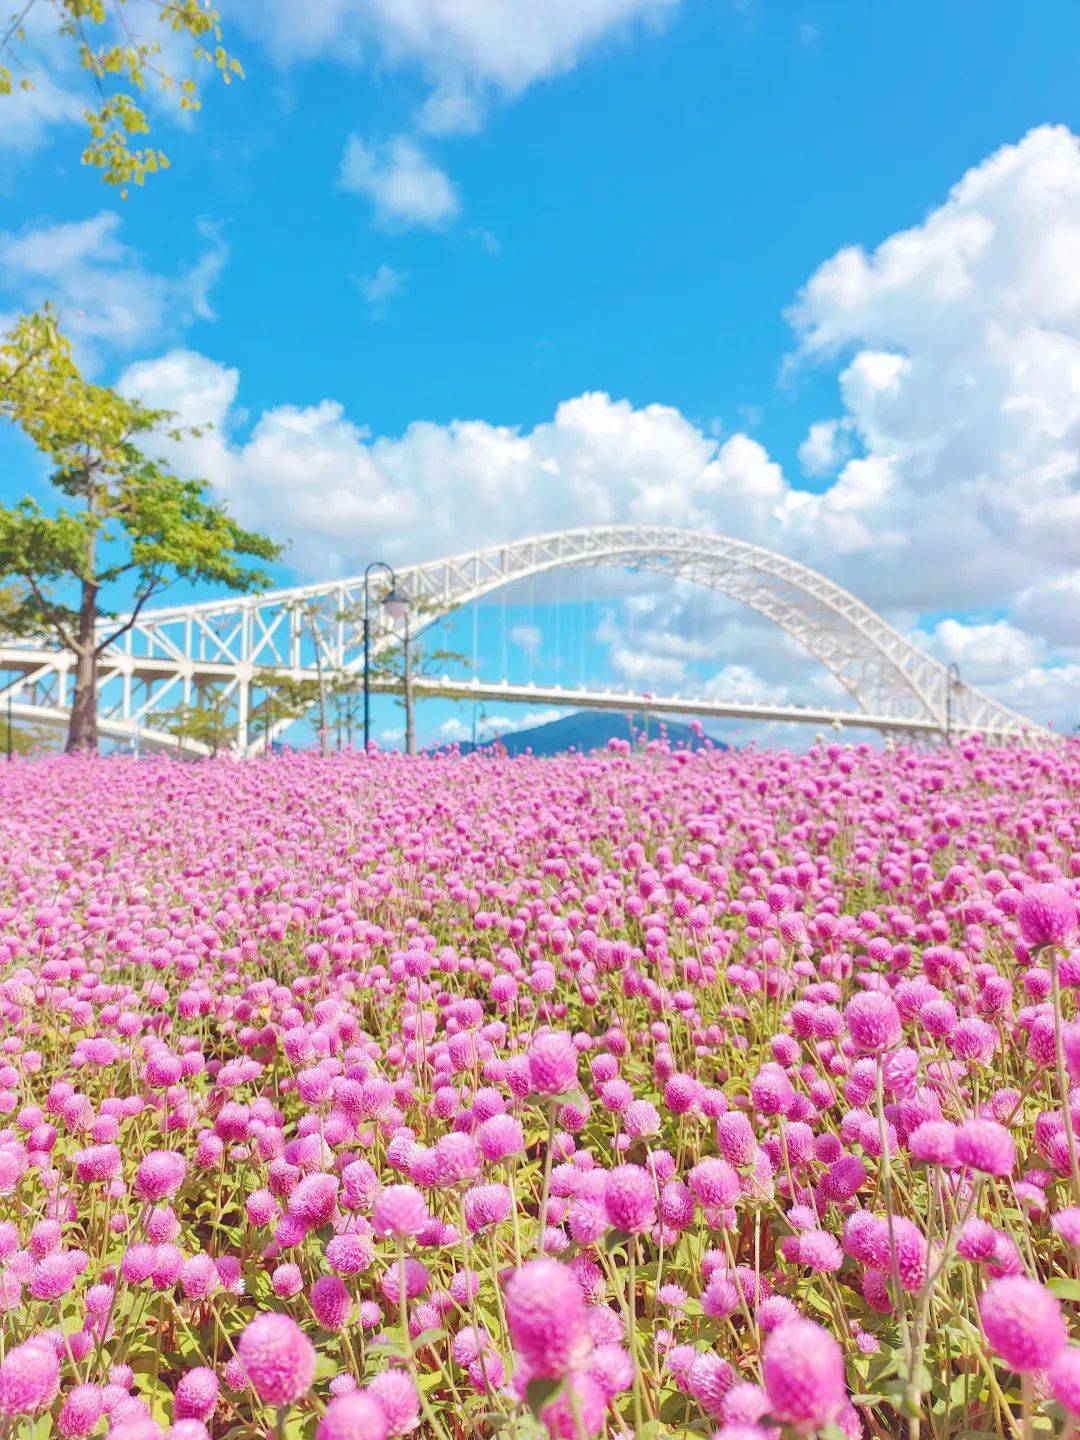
588, 730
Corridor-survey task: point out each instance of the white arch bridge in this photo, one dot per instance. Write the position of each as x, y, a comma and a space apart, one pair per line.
170, 656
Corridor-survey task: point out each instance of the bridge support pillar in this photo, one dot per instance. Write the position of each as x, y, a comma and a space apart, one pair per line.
242, 713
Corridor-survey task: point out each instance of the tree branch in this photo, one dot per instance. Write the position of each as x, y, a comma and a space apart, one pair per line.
156, 584
54, 615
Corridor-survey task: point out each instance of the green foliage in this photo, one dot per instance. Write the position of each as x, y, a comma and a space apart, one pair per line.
134, 520
285, 697
24, 738
208, 722
115, 55
132, 526
36, 370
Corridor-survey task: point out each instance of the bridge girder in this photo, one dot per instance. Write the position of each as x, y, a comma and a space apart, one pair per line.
171, 651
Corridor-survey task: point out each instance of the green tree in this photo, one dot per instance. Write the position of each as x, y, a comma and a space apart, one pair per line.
399, 667
284, 698
207, 722
23, 738
120, 63
132, 529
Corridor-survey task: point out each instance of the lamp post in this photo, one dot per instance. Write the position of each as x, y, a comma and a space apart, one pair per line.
395, 606
952, 685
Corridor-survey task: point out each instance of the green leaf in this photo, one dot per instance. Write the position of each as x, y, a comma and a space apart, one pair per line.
1064, 1287
541, 1392
428, 1337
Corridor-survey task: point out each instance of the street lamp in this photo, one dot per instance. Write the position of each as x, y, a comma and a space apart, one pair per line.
395, 606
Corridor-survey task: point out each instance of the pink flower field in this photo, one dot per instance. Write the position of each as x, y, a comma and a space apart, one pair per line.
720, 1094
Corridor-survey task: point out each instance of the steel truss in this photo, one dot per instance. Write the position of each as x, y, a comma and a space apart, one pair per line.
172, 655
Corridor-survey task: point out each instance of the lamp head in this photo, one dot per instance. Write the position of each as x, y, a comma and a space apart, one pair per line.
395, 605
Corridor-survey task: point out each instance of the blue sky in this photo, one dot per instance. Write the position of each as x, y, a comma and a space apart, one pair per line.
417, 215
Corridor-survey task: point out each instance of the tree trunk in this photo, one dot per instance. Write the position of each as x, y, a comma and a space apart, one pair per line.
83, 726
410, 696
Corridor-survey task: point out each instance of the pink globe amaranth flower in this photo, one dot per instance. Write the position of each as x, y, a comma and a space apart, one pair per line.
977, 1240
774, 1311
612, 1368
1070, 1044
187, 1430
986, 1146
80, 1412
160, 1175
873, 1022
360, 1184
196, 1394
803, 1375
553, 1063
1064, 1377
1046, 916
355, 1416
546, 1316
720, 1297
933, 1142
235, 1375
714, 1183
708, 1379
395, 1394
29, 1378
331, 1303
400, 1212
199, 1277
584, 1416
350, 1254
278, 1358
287, 1280
314, 1200
56, 1274
1022, 1322
500, 1136
735, 1138
630, 1199
1066, 1223
485, 1206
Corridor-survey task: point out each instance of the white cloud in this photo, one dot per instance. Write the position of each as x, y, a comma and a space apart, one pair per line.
404, 185
957, 347
1051, 608
825, 448
104, 293
984, 652
468, 49
29, 115
379, 288
527, 637
965, 377
488, 726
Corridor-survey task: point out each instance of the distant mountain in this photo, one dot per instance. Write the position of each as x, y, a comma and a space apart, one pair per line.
588, 730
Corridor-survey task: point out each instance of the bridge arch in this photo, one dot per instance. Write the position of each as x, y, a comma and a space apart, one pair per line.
229, 642
884, 672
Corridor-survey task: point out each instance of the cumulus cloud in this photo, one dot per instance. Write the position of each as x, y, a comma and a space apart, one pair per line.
106, 296
469, 50
965, 375
404, 186
825, 448
956, 346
